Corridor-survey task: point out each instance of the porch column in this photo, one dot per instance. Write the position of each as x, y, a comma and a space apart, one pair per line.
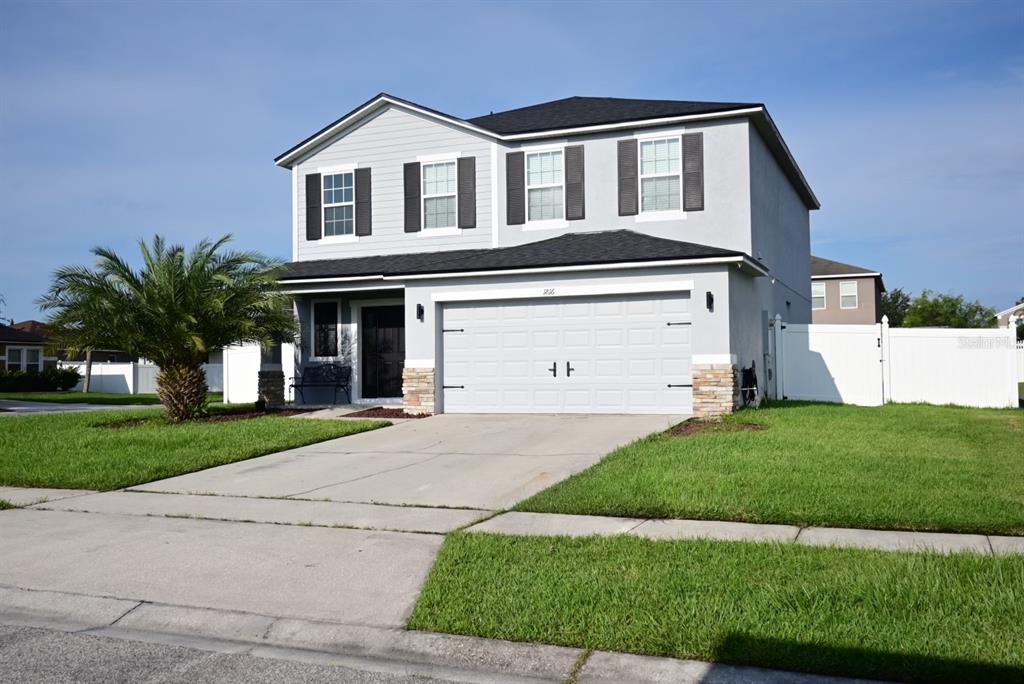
270, 386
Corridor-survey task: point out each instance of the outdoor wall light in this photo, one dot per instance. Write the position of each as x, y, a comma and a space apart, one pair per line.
710, 300
419, 312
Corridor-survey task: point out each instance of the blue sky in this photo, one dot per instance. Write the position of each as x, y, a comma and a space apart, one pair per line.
121, 120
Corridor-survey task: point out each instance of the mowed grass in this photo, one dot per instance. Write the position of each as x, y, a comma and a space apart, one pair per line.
897, 466
908, 616
73, 397
79, 450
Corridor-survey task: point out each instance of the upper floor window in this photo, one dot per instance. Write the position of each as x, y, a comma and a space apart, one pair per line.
339, 204
848, 294
439, 195
545, 185
660, 179
817, 296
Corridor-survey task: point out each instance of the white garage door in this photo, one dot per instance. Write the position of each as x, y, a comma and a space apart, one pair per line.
621, 354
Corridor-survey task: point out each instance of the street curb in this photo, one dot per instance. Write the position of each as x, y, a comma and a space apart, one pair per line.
430, 654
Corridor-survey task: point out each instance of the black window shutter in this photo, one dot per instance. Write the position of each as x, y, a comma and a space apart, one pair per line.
693, 172
364, 211
575, 202
467, 192
515, 188
412, 197
628, 192
313, 206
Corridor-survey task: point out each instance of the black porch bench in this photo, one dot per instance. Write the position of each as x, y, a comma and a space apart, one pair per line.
332, 375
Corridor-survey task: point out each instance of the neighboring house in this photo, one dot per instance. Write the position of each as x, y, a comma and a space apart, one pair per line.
98, 355
1014, 312
23, 351
587, 255
841, 293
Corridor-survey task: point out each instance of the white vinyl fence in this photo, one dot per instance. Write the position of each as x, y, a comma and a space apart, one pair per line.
870, 365
135, 378
1020, 362
241, 372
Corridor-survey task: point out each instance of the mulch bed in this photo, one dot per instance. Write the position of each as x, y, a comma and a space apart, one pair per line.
694, 427
381, 412
218, 417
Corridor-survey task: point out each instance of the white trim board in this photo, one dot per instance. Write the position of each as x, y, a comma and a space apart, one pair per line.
541, 292
738, 260
846, 275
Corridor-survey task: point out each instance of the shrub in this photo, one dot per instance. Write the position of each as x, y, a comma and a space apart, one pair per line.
49, 380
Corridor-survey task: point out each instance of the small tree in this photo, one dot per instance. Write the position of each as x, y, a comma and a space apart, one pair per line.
176, 309
949, 311
895, 304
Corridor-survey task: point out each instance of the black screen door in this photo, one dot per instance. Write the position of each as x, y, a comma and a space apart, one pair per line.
383, 351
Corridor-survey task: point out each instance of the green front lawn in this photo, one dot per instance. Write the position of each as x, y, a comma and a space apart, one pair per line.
79, 450
891, 467
909, 616
73, 397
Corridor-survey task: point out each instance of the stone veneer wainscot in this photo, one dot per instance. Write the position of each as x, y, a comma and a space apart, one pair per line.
418, 390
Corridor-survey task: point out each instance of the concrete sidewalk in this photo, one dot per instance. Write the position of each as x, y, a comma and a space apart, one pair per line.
15, 407
555, 524
408, 653
26, 496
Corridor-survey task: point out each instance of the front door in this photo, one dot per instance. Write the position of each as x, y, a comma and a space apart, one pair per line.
382, 339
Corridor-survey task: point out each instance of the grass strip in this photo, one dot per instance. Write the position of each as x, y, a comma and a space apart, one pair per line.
915, 617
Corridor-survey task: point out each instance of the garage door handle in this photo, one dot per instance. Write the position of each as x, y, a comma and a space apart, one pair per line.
554, 369
568, 369
670, 386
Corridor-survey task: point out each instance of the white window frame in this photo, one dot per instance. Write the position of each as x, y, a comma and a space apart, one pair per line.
856, 294
333, 171
824, 295
24, 357
438, 230
539, 224
654, 214
312, 329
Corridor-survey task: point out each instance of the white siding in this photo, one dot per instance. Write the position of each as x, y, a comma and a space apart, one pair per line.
385, 143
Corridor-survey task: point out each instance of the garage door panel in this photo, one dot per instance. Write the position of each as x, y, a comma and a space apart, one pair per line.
622, 350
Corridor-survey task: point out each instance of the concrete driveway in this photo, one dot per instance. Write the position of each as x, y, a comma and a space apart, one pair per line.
463, 461
344, 531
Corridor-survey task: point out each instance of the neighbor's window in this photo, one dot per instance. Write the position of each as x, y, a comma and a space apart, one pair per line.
339, 204
848, 294
439, 184
325, 329
817, 296
24, 359
660, 180
544, 186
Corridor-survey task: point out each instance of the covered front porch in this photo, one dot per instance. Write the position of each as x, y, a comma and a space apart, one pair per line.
351, 347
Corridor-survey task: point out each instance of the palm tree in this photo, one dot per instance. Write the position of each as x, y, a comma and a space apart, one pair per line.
177, 308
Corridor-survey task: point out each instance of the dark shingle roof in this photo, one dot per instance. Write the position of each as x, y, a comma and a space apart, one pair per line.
827, 267
9, 334
573, 112
572, 249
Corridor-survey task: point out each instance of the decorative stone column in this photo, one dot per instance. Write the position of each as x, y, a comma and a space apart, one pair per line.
418, 391
715, 386
270, 388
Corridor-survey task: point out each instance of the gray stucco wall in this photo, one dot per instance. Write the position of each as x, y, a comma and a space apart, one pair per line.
780, 234
723, 223
385, 143
868, 309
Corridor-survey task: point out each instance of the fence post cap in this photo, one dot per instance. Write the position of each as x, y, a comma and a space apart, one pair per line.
885, 319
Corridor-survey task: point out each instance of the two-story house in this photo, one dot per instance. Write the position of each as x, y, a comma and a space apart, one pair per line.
843, 293
587, 255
